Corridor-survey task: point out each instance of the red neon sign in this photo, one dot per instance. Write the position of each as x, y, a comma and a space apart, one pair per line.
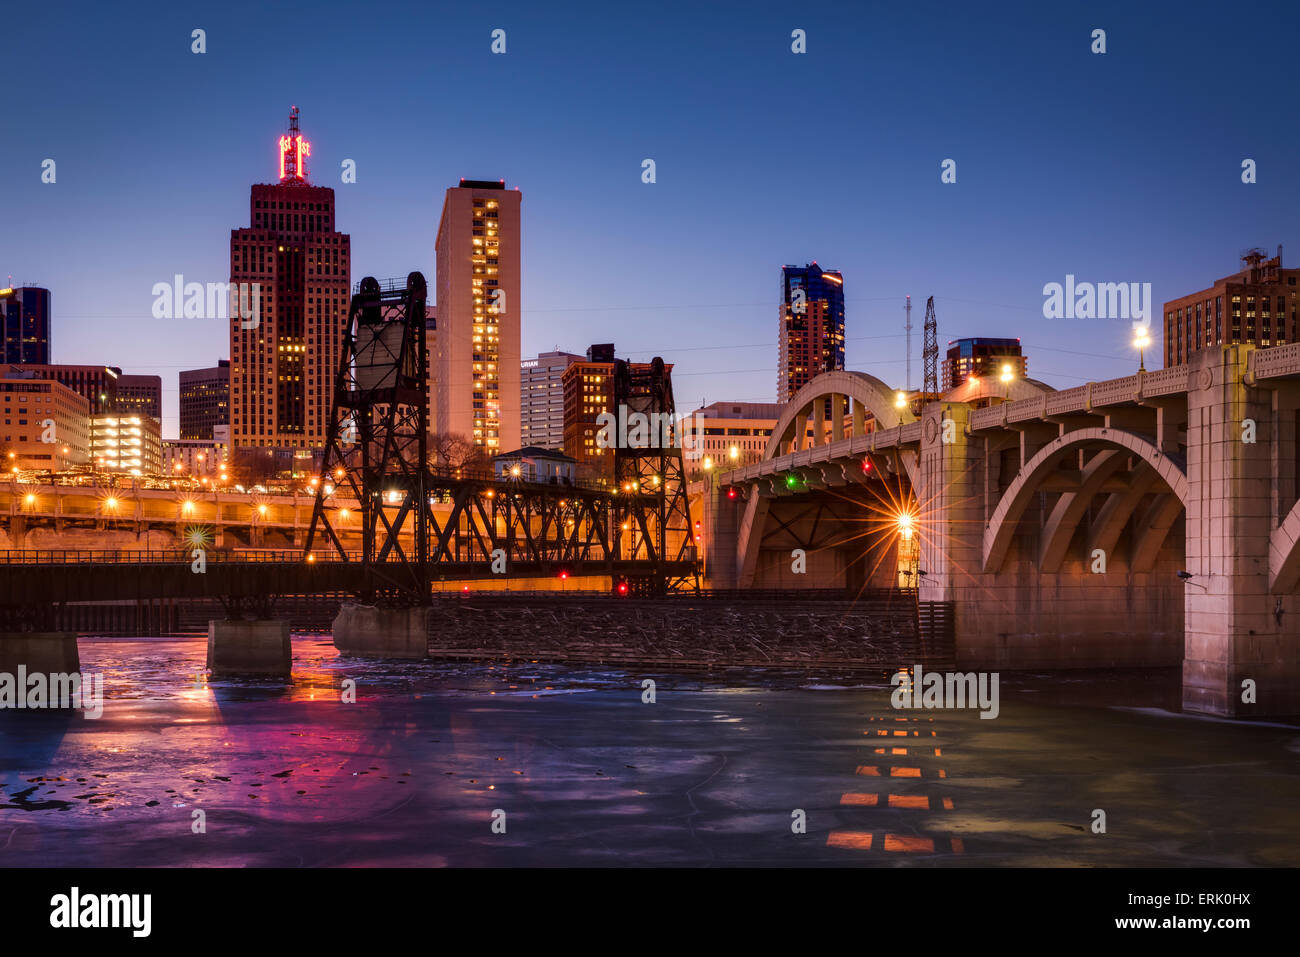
293, 150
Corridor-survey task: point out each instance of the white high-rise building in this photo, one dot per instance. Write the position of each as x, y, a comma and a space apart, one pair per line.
541, 390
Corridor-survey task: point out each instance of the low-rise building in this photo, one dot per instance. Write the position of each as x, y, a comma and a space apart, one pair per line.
126, 443
533, 464
726, 435
43, 423
197, 457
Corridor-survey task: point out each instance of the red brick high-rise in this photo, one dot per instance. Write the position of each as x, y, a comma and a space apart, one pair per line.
1257, 304
282, 366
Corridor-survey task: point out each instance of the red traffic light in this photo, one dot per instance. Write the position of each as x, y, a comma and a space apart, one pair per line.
866, 465
731, 493
622, 588
564, 576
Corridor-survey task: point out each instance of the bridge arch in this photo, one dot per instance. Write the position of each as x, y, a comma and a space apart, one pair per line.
1284, 554
1070, 508
851, 396
868, 394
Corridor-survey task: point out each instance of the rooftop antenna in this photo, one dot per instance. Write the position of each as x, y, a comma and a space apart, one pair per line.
908, 327
294, 151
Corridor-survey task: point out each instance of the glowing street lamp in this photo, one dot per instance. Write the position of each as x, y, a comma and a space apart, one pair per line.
905, 522
708, 464
733, 453
900, 400
1141, 340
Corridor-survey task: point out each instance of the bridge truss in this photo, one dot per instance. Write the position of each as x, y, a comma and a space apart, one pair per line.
420, 523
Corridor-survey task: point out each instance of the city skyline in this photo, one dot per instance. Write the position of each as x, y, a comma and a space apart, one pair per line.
710, 435
1027, 208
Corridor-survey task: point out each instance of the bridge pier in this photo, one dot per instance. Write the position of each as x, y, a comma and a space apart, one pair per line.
39, 652
1037, 595
721, 523
372, 632
257, 647
1237, 631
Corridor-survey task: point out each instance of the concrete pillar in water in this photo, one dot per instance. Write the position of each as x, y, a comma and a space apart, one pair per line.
370, 632
249, 648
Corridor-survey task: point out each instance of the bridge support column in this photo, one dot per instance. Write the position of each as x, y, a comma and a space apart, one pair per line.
948, 470
39, 652
722, 518
259, 647
369, 632
1235, 630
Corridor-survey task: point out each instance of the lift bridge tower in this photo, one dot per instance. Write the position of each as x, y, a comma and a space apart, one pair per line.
651, 512
376, 446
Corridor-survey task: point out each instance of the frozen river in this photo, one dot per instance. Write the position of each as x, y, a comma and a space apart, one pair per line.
713, 772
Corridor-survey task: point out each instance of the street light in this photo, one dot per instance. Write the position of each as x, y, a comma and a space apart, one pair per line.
1007, 376
1141, 339
900, 400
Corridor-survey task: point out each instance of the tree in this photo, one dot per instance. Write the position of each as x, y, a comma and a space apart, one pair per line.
456, 451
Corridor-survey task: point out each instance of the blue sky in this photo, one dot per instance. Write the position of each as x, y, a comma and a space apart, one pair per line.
1122, 167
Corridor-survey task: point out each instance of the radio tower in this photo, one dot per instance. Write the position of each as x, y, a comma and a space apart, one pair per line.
908, 327
930, 352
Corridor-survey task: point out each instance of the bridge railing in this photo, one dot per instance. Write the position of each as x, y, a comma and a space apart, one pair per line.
99, 556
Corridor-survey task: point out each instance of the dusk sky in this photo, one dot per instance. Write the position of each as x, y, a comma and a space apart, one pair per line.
1122, 167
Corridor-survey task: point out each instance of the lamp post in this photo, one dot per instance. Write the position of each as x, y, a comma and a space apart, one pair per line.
1141, 339
1007, 375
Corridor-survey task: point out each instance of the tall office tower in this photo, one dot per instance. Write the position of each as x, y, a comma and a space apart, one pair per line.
284, 354
25, 325
140, 394
1257, 304
541, 387
478, 301
205, 400
981, 357
811, 334
431, 362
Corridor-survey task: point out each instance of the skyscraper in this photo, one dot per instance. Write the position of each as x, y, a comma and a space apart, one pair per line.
811, 334
478, 303
205, 400
25, 325
284, 355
